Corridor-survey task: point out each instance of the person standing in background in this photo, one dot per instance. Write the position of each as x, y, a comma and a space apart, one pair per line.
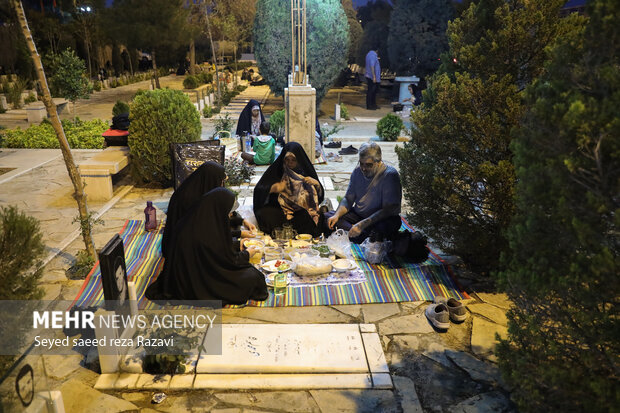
373, 78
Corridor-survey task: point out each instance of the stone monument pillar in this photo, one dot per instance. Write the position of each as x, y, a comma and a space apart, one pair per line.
300, 96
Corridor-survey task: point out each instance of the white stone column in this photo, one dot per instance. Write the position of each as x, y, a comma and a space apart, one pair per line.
300, 110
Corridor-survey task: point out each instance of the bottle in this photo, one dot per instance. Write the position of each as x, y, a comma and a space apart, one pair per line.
279, 283
248, 142
150, 217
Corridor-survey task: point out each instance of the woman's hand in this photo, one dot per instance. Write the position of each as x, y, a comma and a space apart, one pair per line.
249, 226
242, 243
247, 234
252, 251
311, 181
278, 187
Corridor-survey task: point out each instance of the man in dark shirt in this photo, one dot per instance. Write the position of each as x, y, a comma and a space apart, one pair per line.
373, 199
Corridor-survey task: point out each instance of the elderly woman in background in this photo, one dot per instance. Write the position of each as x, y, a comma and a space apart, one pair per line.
290, 192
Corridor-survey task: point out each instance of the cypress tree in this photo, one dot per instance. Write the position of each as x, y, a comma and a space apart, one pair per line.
457, 170
327, 43
418, 35
562, 270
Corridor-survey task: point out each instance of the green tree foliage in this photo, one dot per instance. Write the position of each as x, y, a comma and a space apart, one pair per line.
418, 35
120, 107
159, 118
457, 172
69, 76
22, 248
156, 26
377, 10
562, 270
117, 60
375, 38
327, 40
355, 30
276, 123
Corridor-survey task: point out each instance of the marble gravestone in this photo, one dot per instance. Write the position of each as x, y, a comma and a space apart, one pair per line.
282, 348
294, 356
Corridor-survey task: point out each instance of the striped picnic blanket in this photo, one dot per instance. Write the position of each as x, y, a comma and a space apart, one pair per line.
394, 281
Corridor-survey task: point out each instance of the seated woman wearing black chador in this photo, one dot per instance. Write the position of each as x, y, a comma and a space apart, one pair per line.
290, 192
202, 263
250, 119
206, 177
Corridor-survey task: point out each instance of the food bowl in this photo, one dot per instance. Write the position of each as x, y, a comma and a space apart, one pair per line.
293, 254
304, 237
342, 265
272, 253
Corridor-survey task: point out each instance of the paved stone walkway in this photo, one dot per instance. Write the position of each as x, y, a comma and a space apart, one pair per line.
454, 371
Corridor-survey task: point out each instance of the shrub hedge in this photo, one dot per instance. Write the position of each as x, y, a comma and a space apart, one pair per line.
389, 127
159, 118
80, 134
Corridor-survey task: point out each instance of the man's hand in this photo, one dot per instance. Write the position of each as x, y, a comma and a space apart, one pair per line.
355, 231
252, 251
331, 222
242, 243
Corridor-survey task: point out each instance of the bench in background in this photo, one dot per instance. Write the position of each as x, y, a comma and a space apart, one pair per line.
97, 172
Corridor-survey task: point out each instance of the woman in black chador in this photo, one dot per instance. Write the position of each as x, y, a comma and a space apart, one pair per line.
202, 263
208, 176
250, 119
290, 191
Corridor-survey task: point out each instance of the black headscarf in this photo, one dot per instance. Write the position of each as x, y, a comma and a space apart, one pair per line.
202, 263
206, 177
275, 171
244, 125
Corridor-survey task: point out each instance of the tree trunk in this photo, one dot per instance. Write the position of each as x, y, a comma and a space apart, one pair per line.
130, 64
78, 186
236, 64
155, 74
217, 73
88, 46
192, 57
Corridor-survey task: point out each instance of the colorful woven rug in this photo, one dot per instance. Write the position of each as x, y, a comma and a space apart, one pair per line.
394, 281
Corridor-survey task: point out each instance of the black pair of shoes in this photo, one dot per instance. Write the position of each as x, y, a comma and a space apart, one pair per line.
333, 144
349, 150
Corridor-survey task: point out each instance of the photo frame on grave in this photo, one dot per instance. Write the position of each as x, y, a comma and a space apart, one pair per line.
114, 276
187, 157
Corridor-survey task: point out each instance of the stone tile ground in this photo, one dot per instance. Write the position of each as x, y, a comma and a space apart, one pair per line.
451, 371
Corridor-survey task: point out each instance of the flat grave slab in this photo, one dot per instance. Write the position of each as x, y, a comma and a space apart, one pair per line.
286, 348
278, 356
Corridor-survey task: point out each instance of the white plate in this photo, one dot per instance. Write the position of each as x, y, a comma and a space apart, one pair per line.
341, 262
271, 265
